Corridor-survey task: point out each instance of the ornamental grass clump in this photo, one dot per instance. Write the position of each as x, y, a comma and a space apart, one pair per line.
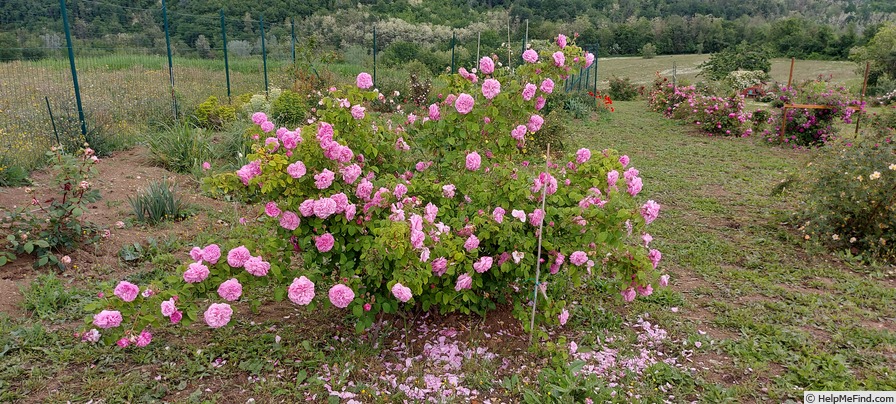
434, 210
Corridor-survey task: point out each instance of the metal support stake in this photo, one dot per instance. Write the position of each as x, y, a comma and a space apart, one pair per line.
292, 28
53, 121
170, 63
264, 55
226, 61
71, 61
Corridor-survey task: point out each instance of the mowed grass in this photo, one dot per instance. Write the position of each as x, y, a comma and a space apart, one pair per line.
643, 71
790, 317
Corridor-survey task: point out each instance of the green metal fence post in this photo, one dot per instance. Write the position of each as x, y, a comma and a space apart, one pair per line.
53, 121
71, 61
226, 61
292, 29
170, 63
264, 55
374, 56
596, 65
453, 38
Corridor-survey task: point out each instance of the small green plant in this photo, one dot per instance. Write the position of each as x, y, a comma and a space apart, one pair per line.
212, 115
179, 148
289, 108
131, 253
46, 296
648, 51
11, 174
622, 89
52, 223
157, 203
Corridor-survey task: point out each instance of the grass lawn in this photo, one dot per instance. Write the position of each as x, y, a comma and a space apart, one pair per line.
751, 314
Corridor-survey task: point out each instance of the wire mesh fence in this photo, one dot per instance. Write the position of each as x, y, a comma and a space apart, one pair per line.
130, 79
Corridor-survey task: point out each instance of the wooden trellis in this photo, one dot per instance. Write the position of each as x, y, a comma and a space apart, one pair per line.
815, 106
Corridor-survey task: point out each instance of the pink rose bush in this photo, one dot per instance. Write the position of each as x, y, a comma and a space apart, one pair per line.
448, 221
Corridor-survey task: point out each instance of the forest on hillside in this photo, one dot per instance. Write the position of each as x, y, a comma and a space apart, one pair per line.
793, 28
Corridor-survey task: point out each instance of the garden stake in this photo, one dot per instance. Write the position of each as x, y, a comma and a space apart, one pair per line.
53, 121
544, 197
226, 61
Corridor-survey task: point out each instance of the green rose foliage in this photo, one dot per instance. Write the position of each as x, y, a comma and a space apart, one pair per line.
378, 202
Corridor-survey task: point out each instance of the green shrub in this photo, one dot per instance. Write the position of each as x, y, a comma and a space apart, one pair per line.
852, 200
553, 132
179, 148
289, 108
46, 296
648, 51
579, 105
622, 89
11, 174
212, 115
157, 203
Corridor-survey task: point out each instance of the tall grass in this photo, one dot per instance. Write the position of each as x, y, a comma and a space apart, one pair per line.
157, 203
179, 148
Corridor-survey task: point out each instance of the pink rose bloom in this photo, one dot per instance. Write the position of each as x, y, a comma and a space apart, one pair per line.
350, 173
296, 170
612, 178
589, 59
259, 117
463, 282
564, 316
206, 165
498, 214
417, 238
249, 171
306, 208
271, 209
364, 81
325, 242
301, 291
439, 265
483, 265
530, 56
645, 290
211, 253
144, 339
583, 155
561, 41
237, 257
416, 222
424, 255
272, 141
123, 342
256, 266
325, 133
127, 291
647, 238
473, 161
655, 256
448, 190
350, 211
630, 173
464, 103
324, 207
650, 211
91, 336
535, 122
341, 296
289, 221
547, 86
629, 294
559, 58
358, 112
634, 186
472, 243
195, 273
519, 214
434, 114
168, 308
486, 65
624, 160
341, 201
664, 280
529, 91
324, 179
218, 315
267, 126
364, 189
176, 317
536, 217
400, 190
578, 258
490, 88
519, 133
107, 319
539, 103
230, 290
401, 292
